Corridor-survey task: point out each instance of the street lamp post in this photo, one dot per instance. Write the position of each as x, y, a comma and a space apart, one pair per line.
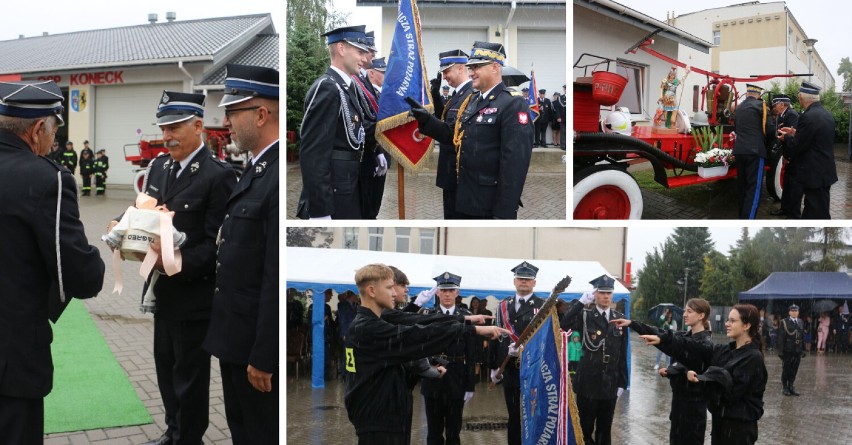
810, 45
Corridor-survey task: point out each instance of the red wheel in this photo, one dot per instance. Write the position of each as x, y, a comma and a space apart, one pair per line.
607, 193
775, 176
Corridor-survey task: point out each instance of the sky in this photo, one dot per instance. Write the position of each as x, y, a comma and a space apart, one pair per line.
824, 20
641, 241
64, 17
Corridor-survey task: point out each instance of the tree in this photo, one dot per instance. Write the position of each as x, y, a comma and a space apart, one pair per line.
717, 285
691, 244
307, 237
845, 70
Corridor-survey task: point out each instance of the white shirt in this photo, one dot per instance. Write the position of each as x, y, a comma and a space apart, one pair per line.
604, 312
186, 160
520, 301
255, 158
346, 77
451, 309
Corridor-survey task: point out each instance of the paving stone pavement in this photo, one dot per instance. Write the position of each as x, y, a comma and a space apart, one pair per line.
543, 195
822, 415
130, 336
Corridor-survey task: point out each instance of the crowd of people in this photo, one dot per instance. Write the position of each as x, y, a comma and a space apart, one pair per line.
822, 332
222, 302
484, 131
92, 164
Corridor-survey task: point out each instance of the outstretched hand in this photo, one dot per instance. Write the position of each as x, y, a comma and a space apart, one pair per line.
478, 318
692, 376
621, 322
651, 340
492, 332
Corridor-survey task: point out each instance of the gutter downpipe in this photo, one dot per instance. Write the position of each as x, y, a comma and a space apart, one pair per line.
508, 21
184, 71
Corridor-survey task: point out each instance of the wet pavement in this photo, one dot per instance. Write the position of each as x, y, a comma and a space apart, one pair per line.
823, 414
723, 194
543, 196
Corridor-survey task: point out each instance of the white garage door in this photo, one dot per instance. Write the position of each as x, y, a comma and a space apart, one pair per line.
545, 51
438, 40
119, 111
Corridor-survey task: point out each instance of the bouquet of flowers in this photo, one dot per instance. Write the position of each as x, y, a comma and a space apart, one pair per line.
714, 157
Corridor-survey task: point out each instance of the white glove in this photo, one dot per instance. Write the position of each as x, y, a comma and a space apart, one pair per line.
619, 392
382, 168
587, 298
424, 296
513, 350
322, 217
494, 378
467, 396
733, 136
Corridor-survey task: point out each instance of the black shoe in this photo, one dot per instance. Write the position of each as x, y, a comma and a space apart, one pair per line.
787, 392
163, 440
793, 391
778, 212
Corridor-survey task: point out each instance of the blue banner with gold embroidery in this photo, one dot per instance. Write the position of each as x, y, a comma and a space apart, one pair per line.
405, 77
535, 108
540, 384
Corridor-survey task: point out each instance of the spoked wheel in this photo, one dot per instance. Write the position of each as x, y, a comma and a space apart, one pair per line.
775, 176
607, 192
139, 181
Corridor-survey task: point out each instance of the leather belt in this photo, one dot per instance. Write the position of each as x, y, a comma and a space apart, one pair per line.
347, 155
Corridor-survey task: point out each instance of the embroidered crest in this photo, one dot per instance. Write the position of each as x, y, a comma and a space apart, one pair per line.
166, 98
523, 117
479, 118
259, 167
489, 110
194, 167
167, 164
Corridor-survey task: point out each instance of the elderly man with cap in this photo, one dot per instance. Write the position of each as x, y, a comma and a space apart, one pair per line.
195, 185
791, 335
333, 133
750, 150
46, 257
444, 398
791, 198
543, 121
513, 314
442, 125
243, 332
811, 143
602, 373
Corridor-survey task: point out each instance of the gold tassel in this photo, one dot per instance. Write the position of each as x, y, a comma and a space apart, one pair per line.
458, 135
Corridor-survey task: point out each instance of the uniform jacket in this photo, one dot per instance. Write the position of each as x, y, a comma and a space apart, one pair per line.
546, 110
68, 159
499, 349
102, 165
29, 289
377, 394
681, 387
330, 182
790, 118
737, 376
442, 131
748, 124
197, 197
371, 187
244, 321
495, 155
791, 336
87, 167
461, 371
602, 371
813, 148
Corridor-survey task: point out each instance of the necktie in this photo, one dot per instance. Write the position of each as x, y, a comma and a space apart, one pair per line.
519, 305
448, 312
172, 175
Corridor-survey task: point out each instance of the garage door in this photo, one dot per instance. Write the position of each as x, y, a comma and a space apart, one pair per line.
119, 111
545, 51
438, 40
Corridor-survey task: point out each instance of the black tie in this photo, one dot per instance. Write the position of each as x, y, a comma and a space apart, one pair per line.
448, 312
172, 175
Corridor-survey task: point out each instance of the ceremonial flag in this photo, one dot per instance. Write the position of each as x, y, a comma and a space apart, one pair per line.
569, 418
535, 109
405, 77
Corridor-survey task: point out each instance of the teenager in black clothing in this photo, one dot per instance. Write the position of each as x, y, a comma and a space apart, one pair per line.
689, 408
734, 382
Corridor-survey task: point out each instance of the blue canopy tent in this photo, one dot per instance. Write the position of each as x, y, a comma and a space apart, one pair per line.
802, 288
319, 269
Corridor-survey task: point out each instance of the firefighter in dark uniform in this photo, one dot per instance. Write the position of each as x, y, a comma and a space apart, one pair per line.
602, 373
441, 126
377, 399
101, 168
243, 332
543, 121
87, 168
46, 257
750, 150
561, 110
195, 185
68, 158
514, 314
791, 336
333, 133
445, 397
791, 198
374, 165
811, 143
494, 140
445, 91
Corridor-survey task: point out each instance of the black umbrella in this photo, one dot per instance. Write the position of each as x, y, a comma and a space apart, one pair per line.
657, 311
513, 77
824, 306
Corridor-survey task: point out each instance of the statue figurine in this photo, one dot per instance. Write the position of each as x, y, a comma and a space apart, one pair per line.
668, 100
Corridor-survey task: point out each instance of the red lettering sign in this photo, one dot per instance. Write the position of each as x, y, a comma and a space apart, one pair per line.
98, 78
56, 79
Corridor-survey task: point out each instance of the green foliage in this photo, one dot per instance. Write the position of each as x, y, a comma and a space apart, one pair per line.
845, 70
832, 102
307, 237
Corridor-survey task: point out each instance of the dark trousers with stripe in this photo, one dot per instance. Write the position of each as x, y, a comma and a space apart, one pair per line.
21, 420
749, 177
87, 184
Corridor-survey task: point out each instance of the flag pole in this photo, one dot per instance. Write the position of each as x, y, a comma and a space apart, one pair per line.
400, 189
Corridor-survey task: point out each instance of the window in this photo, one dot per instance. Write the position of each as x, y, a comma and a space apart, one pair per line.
376, 234
717, 37
403, 239
790, 39
350, 238
798, 50
427, 240
634, 90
